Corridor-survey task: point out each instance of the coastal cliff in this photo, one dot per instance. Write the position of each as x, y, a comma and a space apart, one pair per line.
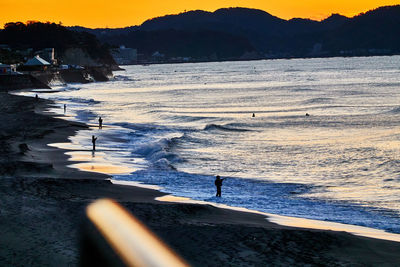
64, 76
73, 57
69, 47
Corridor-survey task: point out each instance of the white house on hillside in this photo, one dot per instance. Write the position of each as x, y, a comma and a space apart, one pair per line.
37, 61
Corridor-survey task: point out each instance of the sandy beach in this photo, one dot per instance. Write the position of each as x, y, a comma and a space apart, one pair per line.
42, 204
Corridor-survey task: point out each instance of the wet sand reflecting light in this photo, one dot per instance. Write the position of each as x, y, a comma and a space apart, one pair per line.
298, 222
103, 168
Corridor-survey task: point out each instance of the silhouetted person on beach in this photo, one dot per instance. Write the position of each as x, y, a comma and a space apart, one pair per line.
65, 108
94, 142
218, 184
100, 123
254, 115
36, 97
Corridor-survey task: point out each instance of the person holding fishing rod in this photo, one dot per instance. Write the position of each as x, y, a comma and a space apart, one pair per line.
218, 184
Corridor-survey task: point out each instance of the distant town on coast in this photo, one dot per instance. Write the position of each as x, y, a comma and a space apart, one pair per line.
44, 53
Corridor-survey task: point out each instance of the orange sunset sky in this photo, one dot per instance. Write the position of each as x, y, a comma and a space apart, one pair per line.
121, 13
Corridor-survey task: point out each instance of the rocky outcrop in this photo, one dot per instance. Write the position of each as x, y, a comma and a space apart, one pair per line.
75, 76
100, 74
45, 79
84, 75
48, 77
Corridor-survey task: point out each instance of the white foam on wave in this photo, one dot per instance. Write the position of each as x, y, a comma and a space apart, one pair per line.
137, 184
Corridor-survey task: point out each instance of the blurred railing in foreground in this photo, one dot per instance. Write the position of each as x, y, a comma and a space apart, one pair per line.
112, 236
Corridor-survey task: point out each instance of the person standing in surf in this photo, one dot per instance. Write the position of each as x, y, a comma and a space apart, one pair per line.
100, 123
94, 142
218, 184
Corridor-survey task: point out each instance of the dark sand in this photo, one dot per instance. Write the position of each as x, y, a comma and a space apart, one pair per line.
42, 204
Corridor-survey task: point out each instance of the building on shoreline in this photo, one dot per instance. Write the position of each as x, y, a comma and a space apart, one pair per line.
6, 69
36, 63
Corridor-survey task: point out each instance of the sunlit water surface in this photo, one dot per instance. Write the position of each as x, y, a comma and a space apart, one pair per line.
177, 126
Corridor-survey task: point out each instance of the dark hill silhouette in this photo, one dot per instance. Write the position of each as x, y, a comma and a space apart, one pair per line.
225, 19
259, 27
106, 31
376, 29
252, 24
334, 21
241, 29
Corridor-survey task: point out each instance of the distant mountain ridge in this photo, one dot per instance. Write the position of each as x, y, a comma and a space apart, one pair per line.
244, 30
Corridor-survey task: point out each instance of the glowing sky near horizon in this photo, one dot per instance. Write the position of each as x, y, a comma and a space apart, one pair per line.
121, 13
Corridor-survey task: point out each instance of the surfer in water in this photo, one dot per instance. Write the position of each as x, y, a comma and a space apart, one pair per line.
218, 184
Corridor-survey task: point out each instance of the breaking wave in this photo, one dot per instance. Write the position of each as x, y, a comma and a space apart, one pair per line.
213, 127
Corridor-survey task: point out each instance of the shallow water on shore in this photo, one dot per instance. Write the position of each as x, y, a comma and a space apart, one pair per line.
177, 126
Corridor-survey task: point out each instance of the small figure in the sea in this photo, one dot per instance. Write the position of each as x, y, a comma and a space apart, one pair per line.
218, 184
65, 108
100, 123
253, 115
36, 97
94, 142
307, 115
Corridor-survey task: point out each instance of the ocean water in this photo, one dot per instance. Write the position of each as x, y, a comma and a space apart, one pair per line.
179, 125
